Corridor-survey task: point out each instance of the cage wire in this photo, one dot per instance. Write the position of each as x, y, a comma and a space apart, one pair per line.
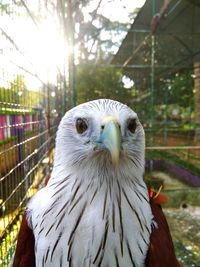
33, 93
161, 54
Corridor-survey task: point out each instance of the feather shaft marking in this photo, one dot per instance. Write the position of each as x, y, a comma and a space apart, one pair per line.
116, 259
59, 222
113, 216
135, 212
35, 226
138, 161
102, 244
47, 253
130, 254
138, 195
105, 234
141, 185
120, 219
97, 254
41, 231
69, 251
55, 245
51, 207
144, 197
76, 224
70, 262
49, 230
56, 184
42, 222
104, 203
100, 260
147, 229
74, 184
64, 206
93, 195
132, 160
58, 191
144, 239
75, 192
140, 248
43, 261
76, 202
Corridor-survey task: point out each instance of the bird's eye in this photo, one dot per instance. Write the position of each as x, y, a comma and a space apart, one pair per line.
132, 124
81, 125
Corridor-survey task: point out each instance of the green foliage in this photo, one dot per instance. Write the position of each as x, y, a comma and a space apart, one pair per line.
5, 8
7, 96
18, 84
94, 82
177, 90
182, 85
3, 142
171, 100
18, 95
6, 247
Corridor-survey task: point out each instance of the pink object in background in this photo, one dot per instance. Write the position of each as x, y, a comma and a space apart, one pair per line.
2, 126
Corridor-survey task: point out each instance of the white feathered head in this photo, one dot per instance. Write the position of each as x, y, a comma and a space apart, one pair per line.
100, 133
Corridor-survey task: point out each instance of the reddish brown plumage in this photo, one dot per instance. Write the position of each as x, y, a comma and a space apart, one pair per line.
161, 251
24, 254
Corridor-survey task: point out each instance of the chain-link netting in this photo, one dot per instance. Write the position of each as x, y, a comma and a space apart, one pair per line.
32, 100
161, 55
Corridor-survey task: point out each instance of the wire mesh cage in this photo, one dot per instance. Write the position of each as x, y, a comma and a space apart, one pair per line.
32, 90
161, 55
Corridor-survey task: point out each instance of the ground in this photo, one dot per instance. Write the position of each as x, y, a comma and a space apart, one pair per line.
185, 229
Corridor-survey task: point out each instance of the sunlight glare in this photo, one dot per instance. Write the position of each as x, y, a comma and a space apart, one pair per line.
43, 51
48, 52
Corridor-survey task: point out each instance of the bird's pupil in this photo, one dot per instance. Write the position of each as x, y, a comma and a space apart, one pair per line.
132, 125
81, 125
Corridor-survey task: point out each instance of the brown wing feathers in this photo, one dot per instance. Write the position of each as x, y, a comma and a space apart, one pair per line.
24, 254
161, 250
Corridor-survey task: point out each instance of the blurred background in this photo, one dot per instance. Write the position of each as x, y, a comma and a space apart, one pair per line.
55, 54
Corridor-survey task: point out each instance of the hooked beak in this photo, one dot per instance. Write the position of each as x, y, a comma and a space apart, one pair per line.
110, 138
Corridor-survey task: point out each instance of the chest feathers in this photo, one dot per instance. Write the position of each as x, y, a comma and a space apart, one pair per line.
85, 223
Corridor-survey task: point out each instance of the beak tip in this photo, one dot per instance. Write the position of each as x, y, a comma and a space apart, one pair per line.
115, 160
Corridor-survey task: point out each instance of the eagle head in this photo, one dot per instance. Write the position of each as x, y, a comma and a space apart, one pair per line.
102, 133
